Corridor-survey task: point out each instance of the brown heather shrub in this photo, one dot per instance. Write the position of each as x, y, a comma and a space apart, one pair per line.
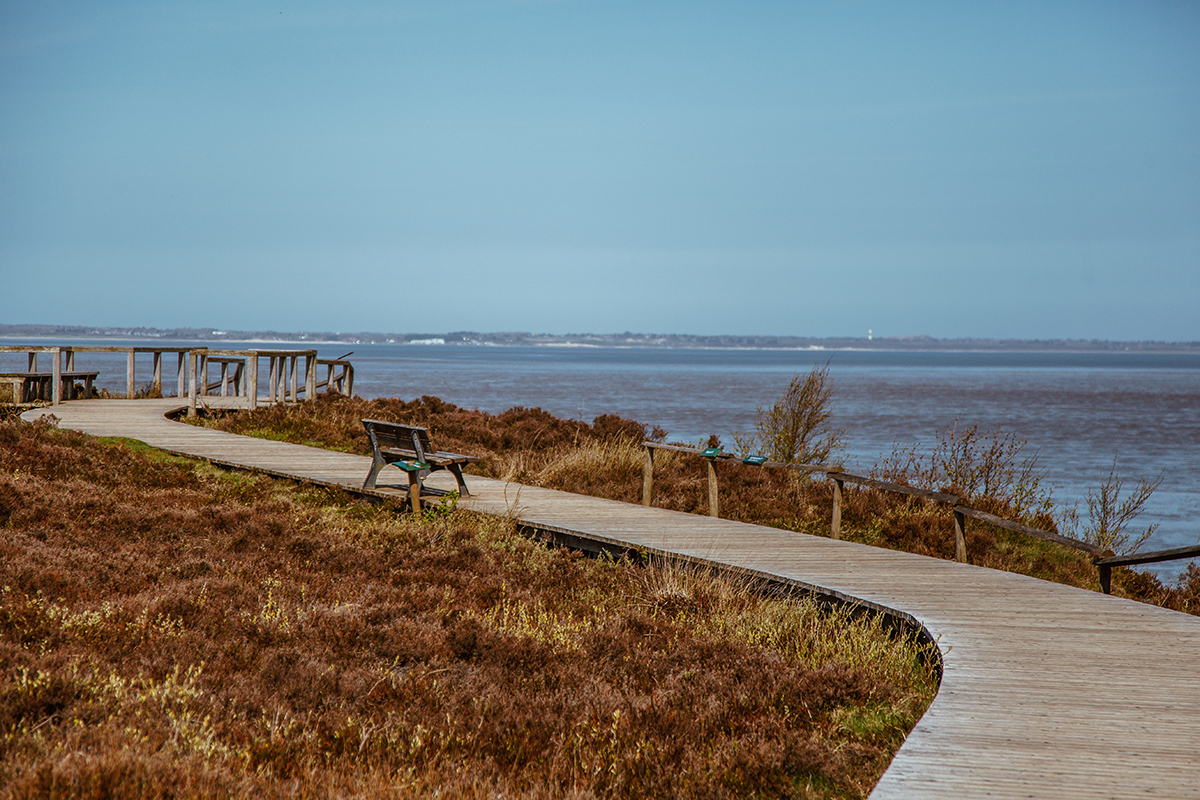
171, 630
334, 421
9, 412
605, 460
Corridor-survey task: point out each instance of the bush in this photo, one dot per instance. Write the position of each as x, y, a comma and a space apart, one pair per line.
1109, 516
978, 465
796, 429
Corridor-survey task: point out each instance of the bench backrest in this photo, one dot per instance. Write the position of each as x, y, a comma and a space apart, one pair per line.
399, 437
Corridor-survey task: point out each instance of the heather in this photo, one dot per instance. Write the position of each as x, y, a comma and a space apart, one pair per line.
605, 458
170, 629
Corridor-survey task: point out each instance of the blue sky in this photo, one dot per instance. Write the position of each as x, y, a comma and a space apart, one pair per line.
1026, 170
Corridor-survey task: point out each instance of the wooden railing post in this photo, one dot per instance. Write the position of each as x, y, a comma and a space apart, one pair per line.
647, 475
158, 370
181, 374
252, 379
295, 381
31, 362
310, 376
192, 356
713, 509
960, 540
1106, 559
835, 525
130, 390
56, 388
349, 380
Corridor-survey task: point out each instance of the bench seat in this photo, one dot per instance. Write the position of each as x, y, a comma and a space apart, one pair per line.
29, 387
408, 448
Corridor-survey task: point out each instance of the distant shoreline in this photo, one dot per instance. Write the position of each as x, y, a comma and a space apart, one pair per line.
617, 340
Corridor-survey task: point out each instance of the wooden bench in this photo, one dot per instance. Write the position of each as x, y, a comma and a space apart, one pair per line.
408, 448
29, 387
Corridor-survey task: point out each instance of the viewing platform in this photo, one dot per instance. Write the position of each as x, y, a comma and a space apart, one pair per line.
236, 371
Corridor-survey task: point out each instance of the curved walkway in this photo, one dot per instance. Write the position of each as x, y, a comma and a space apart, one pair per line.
1048, 691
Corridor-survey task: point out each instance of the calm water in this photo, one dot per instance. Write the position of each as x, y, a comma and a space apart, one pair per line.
1076, 410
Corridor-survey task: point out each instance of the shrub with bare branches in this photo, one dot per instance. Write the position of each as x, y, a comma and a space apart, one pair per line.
796, 428
978, 465
1109, 515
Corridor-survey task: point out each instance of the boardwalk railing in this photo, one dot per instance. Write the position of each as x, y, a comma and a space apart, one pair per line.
238, 372
62, 360
339, 375
1104, 559
1106, 564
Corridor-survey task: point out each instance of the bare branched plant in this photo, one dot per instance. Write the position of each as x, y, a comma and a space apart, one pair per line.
1109, 516
974, 464
148, 391
797, 428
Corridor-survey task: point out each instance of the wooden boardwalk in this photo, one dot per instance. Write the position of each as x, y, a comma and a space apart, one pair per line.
1048, 691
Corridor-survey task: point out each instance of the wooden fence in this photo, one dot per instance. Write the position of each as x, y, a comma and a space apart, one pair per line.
1104, 559
238, 369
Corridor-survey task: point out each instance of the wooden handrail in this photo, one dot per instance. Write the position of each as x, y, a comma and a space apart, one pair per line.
68, 352
1104, 559
723, 456
285, 381
900, 488
1191, 551
1000, 522
343, 380
711, 458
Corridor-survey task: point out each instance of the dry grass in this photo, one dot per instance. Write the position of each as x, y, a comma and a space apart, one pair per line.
168, 629
604, 459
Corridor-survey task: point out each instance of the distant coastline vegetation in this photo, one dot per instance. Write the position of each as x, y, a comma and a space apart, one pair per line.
626, 339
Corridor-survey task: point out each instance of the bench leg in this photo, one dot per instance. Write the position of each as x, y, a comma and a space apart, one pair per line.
376, 465
456, 471
414, 491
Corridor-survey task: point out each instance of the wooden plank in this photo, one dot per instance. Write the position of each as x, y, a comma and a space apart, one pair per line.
714, 508
733, 457
56, 367
835, 524
647, 475
1000, 522
941, 497
1175, 553
960, 541
674, 447
130, 385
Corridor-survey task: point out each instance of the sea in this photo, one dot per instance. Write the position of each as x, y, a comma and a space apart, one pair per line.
1080, 413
